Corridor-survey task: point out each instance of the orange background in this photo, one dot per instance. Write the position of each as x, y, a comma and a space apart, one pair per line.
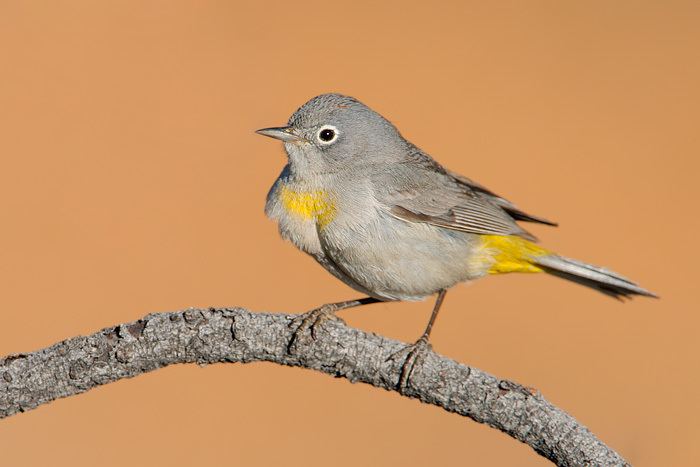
132, 182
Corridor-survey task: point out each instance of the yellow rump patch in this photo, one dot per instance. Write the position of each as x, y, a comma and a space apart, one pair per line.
309, 205
507, 253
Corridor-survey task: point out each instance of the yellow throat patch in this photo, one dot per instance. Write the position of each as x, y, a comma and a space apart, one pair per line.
508, 253
309, 205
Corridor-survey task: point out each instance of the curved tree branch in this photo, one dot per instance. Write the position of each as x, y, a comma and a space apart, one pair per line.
206, 336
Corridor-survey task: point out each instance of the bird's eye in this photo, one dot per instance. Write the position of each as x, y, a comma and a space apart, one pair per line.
327, 134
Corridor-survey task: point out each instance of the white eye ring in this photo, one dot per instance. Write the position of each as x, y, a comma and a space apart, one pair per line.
327, 134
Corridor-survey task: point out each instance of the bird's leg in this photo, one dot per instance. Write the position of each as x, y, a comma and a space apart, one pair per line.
309, 320
416, 351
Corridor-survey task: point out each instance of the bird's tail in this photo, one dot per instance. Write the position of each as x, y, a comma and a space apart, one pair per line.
598, 278
507, 253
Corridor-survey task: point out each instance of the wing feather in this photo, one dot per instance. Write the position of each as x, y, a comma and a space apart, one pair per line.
431, 194
456, 209
508, 206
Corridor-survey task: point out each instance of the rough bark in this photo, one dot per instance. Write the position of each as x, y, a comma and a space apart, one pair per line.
207, 336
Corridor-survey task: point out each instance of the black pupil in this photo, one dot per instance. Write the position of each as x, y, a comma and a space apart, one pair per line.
326, 135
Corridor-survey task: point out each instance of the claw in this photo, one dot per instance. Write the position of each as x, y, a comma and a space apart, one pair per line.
308, 323
415, 355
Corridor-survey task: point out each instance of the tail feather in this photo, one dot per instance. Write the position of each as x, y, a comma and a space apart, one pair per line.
601, 279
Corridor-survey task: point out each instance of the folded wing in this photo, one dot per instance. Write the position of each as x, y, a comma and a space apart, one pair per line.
438, 198
509, 207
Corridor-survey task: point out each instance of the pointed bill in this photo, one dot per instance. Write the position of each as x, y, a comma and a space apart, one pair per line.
283, 133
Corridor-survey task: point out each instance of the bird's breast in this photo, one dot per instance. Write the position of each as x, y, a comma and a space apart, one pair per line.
300, 213
309, 205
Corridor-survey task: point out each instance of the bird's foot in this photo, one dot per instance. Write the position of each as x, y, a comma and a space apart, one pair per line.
415, 355
309, 323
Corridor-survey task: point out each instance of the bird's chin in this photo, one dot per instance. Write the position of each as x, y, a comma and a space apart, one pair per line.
296, 150
303, 160
296, 145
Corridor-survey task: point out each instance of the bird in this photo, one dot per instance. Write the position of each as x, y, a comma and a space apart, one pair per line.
389, 221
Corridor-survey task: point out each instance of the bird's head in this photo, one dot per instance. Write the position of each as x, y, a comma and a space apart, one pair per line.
332, 132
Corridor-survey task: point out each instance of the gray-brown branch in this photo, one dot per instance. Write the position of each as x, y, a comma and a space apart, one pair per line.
206, 336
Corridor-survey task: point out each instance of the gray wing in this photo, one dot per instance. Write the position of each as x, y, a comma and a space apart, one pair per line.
438, 198
509, 207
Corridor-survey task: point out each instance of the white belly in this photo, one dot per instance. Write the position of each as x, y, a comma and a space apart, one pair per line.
398, 260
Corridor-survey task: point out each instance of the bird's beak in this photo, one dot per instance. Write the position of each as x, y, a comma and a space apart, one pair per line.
283, 133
